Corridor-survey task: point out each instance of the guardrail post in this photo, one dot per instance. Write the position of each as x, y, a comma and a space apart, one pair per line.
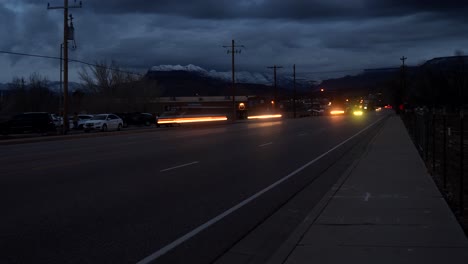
462, 187
444, 172
426, 137
433, 140
416, 129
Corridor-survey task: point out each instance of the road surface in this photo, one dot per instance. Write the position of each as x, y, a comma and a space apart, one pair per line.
177, 195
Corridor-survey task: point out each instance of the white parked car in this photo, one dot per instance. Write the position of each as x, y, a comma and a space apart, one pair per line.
58, 122
81, 121
103, 122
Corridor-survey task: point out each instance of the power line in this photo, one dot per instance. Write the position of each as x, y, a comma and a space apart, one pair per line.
29, 55
73, 60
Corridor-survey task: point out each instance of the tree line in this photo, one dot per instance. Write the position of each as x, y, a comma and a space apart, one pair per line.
104, 87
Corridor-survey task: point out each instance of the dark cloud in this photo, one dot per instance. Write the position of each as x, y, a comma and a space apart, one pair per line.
274, 9
27, 29
223, 9
395, 32
280, 9
7, 27
318, 35
417, 6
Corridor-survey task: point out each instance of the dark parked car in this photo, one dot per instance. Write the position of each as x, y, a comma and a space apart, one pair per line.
137, 119
40, 122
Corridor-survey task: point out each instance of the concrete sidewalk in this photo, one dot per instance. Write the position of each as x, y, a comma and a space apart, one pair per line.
386, 210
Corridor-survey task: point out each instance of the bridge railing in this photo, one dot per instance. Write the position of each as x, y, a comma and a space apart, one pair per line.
442, 140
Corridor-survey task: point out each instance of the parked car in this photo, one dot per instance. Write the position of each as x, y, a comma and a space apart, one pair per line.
40, 122
57, 120
317, 110
137, 119
81, 121
103, 122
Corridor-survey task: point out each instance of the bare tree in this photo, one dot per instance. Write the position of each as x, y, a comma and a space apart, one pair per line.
31, 95
109, 88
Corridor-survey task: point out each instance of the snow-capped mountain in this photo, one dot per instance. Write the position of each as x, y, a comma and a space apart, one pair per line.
178, 80
241, 77
190, 68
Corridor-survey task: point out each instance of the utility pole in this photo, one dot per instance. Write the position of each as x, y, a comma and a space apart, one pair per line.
233, 51
294, 95
66, 36
403, 77
274, 67
403, 60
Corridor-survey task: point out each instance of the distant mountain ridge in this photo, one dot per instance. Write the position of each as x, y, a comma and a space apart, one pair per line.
241, 76
189, 80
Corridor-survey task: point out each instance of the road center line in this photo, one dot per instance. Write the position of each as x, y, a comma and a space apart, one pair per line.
218, 218
180, 166
266, 144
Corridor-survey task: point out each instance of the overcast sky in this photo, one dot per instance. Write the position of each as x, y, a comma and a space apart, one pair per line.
316, 35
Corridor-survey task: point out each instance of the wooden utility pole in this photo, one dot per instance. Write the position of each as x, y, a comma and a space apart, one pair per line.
233, 51
66, 37
274, 67
294, 94
403, 77
403, 60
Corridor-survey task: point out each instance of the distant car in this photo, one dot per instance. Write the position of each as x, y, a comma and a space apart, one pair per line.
81, 121
137, 119
316, 110
103, 122
165, 119
39, 122
57, 120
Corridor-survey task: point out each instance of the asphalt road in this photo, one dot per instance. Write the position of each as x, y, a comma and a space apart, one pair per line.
181, 195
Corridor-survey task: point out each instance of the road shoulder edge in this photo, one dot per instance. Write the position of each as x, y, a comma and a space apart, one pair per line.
285, 250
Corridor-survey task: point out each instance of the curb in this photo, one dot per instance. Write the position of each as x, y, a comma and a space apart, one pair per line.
35, 139
76, 136
285, 250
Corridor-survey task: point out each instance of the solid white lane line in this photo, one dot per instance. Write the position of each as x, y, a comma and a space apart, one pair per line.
216, 219
180, 166
266, 144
